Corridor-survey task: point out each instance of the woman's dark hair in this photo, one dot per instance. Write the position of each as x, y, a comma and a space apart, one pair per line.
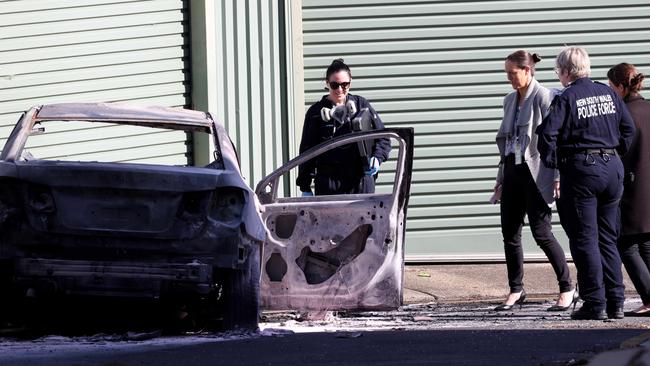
522, 59
336, 66
625, 75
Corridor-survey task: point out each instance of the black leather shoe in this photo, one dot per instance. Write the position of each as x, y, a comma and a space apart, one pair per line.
588, 314
617, 313
520, 301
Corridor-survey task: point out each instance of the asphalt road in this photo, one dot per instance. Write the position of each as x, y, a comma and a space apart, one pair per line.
423, 334
419, 347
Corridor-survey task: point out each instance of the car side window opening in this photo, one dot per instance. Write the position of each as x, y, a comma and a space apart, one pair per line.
383, 180
86, 141
342, 181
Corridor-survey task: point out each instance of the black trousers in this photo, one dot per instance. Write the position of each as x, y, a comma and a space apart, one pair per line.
591, 190
635, 253
520, 197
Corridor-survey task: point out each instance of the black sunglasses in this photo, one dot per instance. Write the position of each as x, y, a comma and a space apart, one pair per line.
334, 85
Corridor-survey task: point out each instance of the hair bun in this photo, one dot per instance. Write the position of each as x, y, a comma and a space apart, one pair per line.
635, 82
638, 78
536, 58
337, 65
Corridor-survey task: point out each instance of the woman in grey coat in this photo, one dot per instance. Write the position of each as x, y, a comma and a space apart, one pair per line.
524, 186
634, 242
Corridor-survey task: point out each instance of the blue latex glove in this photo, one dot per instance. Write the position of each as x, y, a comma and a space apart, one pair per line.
307, 194
373, 166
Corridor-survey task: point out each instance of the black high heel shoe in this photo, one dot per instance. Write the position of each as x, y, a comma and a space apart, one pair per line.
520, 301
573, 303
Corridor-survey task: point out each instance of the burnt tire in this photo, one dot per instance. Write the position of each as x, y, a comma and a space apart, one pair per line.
241, 292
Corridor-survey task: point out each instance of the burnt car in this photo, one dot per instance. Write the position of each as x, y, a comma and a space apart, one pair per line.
123, 229
75, 227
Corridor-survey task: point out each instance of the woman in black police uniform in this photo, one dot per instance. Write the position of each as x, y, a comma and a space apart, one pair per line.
587, 128
341, 170
526, 186
634, 243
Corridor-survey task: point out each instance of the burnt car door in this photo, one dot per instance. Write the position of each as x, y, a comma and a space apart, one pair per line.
341, 251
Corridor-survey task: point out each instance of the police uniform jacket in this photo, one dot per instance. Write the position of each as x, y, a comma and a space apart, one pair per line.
635, 204
344, 162
532, 112
586, 115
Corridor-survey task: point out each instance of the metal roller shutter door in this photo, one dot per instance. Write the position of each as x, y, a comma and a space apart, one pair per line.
97, 51
251, 78
438, 66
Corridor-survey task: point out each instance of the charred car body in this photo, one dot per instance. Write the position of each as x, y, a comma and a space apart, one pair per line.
124, 229
165, 232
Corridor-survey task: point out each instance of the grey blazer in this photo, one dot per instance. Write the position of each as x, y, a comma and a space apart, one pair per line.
532, 112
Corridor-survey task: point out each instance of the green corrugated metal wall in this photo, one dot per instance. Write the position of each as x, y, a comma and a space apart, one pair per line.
250, 81
96, 51
438, 66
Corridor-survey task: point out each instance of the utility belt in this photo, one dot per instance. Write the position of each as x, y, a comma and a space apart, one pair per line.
605, 153
598, 151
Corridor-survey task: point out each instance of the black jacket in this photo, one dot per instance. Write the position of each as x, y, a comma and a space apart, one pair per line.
586, 115
635, 204
344, 161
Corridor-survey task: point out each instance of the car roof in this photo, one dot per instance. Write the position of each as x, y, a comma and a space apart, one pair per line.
126, 113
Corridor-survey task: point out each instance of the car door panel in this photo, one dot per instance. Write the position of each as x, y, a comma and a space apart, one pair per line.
336, 252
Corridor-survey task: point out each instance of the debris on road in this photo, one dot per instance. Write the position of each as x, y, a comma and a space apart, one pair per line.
348, 334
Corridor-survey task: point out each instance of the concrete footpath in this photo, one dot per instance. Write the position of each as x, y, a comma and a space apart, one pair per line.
448, 283
457, 283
